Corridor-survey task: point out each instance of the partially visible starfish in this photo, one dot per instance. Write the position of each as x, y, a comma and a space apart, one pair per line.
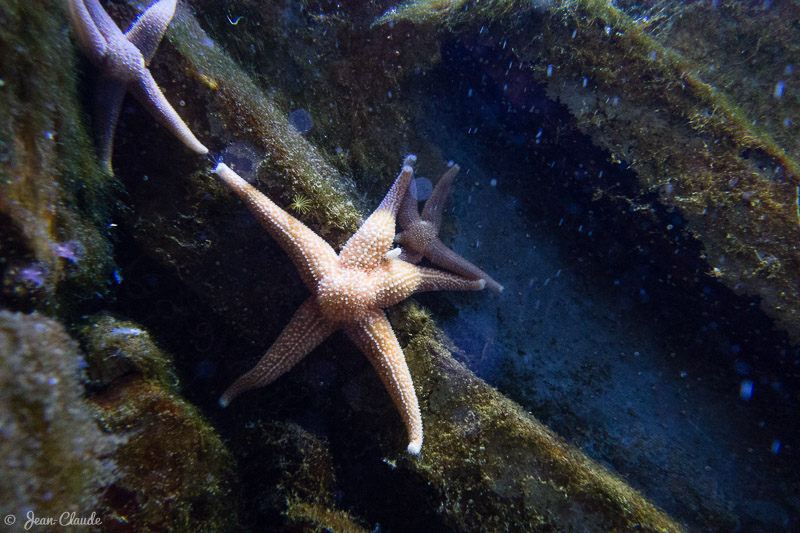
349, 291
123, 59
420, 235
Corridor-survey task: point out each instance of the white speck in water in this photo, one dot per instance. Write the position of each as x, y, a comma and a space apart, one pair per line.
493, 182
653, 55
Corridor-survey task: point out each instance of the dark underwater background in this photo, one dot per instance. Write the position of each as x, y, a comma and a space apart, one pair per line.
629, 173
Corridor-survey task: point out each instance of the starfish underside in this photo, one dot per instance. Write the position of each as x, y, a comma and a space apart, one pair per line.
349, 292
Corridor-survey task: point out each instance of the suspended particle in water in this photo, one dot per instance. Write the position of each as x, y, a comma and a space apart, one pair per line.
421, 189
779, 88
301, 120
746, 389
243, 158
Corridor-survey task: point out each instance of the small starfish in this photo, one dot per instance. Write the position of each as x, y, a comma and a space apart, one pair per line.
349, 291
123, 59
420, 235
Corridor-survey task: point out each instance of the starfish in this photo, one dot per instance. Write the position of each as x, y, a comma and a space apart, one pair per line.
123, 59
420, 235
349, 291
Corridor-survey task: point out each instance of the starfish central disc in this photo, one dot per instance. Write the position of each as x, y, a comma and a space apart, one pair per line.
347, 295
124, 61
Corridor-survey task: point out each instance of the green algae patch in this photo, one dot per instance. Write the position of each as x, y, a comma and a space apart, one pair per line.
54, 198
698, 148
54, 458
494, 466
176, 473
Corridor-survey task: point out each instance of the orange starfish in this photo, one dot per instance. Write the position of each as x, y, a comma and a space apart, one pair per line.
349, 291
420, 235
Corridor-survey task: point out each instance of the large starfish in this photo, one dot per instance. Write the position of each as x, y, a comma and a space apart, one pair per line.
123, 59
420, 235
349, 291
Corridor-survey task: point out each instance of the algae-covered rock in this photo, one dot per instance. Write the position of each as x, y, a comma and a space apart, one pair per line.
176, 474
292, 473
496, 467
54, 458
54, 199
117, 347
699, 147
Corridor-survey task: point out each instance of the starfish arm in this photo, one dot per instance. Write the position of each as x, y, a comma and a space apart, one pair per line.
90, 39
410, 256
438, 280
307, 329
434, 207
312, 256
110, 93
367, 246
148, 29
104, 24
147, 92
374, 336
408, 215
442, 256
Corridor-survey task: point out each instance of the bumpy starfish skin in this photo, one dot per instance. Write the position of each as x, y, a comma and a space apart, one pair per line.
123, 60
420, 235
349, 291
